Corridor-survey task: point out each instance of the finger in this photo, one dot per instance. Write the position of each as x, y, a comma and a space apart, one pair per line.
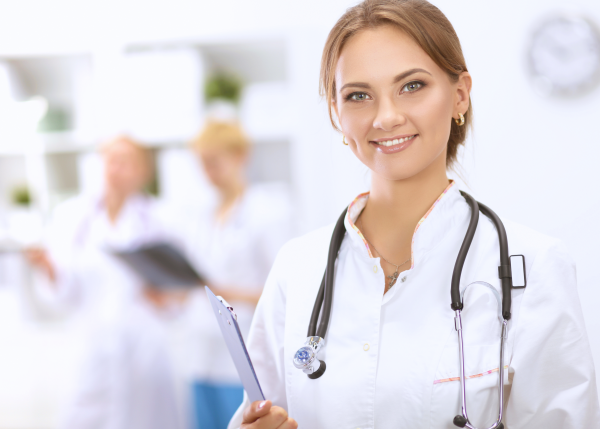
256, 410
290, 423
275, 418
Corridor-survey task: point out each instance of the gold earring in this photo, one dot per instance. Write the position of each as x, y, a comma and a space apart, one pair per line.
344, 140
461, 120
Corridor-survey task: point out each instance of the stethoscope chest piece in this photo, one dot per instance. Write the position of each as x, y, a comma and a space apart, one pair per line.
306, 358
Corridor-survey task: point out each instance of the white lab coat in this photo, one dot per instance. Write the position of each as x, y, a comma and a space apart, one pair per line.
392, 360
125, 380
90, 281
237, 253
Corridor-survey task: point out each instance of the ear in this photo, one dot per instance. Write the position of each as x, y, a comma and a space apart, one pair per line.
463, 92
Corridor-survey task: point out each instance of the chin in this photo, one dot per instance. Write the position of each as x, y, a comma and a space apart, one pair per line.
403, 165
397, 169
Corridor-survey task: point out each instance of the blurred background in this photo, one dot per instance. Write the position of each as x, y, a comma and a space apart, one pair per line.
75, 74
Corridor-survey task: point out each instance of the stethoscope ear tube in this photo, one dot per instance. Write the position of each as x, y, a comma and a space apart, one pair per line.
504, 269
326, 291
462, 253
306, 357
314, 318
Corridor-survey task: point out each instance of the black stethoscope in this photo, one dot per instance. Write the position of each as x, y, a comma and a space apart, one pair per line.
306, 357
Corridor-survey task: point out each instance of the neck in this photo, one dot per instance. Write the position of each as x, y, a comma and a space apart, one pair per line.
231, 192
396, 206
229, 195
114, 202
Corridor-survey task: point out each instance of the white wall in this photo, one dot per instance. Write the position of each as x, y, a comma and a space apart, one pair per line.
532, 159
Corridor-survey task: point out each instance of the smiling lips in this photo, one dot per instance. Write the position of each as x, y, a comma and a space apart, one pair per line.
394, 141
395, 145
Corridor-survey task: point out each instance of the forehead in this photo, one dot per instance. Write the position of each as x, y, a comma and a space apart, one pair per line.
122, 150
380, 53
214, 151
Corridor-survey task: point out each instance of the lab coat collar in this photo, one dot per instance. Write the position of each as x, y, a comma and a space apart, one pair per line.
441, 216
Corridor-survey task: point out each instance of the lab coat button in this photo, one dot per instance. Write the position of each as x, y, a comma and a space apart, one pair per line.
403, 279
366, 347
374, 268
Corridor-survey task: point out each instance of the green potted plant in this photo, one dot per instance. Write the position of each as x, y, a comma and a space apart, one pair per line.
222, 92
20, 196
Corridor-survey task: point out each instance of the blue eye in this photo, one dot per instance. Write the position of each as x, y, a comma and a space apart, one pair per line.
412, 86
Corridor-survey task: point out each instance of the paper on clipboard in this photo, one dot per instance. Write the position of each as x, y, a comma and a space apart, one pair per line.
235, 343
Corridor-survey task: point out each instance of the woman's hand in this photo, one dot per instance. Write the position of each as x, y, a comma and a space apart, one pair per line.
38, 257
263, 415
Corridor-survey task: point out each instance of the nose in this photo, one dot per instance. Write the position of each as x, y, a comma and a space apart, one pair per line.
388, 116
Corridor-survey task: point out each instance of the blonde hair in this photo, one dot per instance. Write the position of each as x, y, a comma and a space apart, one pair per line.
221, 134
422, 22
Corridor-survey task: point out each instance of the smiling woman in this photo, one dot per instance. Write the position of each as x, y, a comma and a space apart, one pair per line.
426, 27
397, 87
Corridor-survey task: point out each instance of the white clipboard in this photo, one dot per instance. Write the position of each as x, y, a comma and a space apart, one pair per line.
227, 320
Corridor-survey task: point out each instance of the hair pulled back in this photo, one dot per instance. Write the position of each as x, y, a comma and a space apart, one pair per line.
422, 22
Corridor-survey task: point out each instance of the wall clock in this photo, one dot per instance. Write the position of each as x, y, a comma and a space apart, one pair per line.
564, 56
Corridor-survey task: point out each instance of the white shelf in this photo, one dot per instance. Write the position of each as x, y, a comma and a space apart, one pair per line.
153, 92
47, 143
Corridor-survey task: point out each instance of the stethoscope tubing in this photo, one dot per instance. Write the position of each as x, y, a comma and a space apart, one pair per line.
463, 419
463, 390
463, 252
503, 269
325, 295
324, 300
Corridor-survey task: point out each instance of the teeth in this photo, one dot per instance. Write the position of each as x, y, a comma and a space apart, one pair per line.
395, 141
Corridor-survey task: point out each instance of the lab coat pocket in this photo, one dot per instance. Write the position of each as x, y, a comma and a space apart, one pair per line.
481, 373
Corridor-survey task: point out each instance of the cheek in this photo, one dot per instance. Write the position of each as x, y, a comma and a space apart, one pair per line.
356, 121
433, 118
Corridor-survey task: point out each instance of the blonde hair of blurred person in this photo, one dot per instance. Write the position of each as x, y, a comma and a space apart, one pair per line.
223, 149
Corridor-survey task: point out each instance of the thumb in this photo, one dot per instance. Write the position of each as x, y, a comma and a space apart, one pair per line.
257, 410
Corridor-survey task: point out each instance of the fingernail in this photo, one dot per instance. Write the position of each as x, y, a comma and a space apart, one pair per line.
262, 404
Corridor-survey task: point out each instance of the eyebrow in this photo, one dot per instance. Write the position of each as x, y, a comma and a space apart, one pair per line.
398, 78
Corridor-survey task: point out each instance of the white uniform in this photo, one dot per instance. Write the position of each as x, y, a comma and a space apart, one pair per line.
392, 360
125, 381
89, 280
237, 253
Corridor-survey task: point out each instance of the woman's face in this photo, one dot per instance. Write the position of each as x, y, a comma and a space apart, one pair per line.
125, 170
394, 104
223, 167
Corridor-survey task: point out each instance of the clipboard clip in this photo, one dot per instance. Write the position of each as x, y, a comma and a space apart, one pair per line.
226, 304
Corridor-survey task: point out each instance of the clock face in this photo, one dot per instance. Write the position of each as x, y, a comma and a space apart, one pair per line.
564, 56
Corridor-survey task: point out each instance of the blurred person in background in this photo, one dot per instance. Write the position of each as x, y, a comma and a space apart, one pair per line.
233, 244
85, 228
126, 378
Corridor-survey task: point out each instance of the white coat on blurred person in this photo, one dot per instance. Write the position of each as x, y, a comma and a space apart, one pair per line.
233, 242
125, 380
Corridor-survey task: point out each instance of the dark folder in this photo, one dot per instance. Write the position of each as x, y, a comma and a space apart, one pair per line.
162, 266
